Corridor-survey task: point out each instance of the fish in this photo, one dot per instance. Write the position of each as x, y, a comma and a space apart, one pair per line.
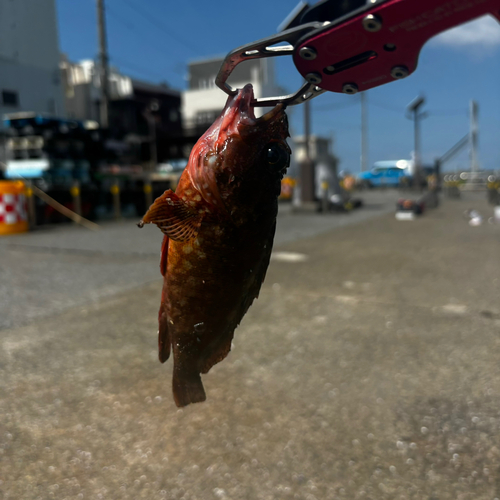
218, 227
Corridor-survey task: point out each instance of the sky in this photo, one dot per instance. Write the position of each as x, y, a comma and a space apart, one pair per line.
154, 41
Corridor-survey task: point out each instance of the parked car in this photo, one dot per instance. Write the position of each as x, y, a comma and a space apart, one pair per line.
385, 173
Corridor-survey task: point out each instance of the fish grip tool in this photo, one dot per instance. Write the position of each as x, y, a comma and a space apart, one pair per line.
354, 45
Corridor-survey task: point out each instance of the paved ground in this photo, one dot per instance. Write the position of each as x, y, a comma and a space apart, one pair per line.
53, 268
368, 370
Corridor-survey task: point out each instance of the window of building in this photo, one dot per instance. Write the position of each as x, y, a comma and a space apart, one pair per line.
173, 115
52, 106
207, 83
10, 98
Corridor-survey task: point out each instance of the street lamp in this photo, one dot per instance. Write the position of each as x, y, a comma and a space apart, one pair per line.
414, 114
153, 107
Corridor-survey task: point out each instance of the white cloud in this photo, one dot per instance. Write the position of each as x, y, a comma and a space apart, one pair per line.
483, 32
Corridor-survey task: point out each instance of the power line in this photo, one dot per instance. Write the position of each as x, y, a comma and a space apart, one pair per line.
387, 107
340, 105
442, 112
135, 67
141, 39
132, 28
166, 30
345, 127
450, 112
125, 22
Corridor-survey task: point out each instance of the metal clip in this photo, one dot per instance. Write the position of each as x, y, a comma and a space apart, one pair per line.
267, 47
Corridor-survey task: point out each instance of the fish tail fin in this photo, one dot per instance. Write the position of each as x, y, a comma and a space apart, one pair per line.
187, 387
163, 341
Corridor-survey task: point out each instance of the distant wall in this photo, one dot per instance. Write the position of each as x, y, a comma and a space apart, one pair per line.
37, 89
29, 57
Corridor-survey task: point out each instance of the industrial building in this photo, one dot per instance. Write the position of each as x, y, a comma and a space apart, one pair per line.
29, 58
139, 112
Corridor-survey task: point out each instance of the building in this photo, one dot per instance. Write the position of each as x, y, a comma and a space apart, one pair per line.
203, 101
29, 58
139, 112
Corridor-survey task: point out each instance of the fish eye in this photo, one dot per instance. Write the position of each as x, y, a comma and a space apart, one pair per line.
277, 156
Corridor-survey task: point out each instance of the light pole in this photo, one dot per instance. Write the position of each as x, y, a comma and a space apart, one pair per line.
307, 180
473, 136
104, 63
153, 153
415, 115
153, 107
364, 133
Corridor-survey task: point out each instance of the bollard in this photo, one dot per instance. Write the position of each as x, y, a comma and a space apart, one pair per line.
77, 200
13, 216
31, 204
493, 192
496, 214
324, 199
174, 181
148, 193
451, 189
115, 191
493, 196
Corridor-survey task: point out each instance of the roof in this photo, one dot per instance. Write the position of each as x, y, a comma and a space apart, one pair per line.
202, 60
154, 87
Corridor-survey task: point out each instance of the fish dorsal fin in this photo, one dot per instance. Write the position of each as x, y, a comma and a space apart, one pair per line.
178, 220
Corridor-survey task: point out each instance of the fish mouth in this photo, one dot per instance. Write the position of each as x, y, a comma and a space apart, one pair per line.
244, 103
236, 121
239, 113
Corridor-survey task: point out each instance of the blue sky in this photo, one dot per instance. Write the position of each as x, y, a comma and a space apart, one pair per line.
153, 41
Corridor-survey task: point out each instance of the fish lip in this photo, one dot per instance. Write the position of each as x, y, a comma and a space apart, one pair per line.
246, 97
236, 119
246, 110
271, 115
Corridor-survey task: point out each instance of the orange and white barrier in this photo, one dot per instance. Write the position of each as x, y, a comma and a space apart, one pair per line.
13, 208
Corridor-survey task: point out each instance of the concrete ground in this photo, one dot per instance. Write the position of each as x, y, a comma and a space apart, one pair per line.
55, 267
368, 368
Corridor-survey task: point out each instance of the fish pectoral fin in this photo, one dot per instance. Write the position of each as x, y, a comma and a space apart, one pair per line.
178, 220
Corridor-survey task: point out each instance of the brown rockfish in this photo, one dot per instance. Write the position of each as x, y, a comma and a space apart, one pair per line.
219, 227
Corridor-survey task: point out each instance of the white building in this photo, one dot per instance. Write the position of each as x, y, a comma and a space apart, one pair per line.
82, 85
203, 101
29, 58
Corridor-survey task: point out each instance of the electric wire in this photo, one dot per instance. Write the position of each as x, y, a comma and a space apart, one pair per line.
134, 67
139, 37
387, 107
132, 28
339, 105
166, 30
402, 110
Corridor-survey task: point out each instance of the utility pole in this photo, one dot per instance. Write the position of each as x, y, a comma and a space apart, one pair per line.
103, 64
473, 136
153, 107
148, 113
364, 133
416, 116
307, 189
